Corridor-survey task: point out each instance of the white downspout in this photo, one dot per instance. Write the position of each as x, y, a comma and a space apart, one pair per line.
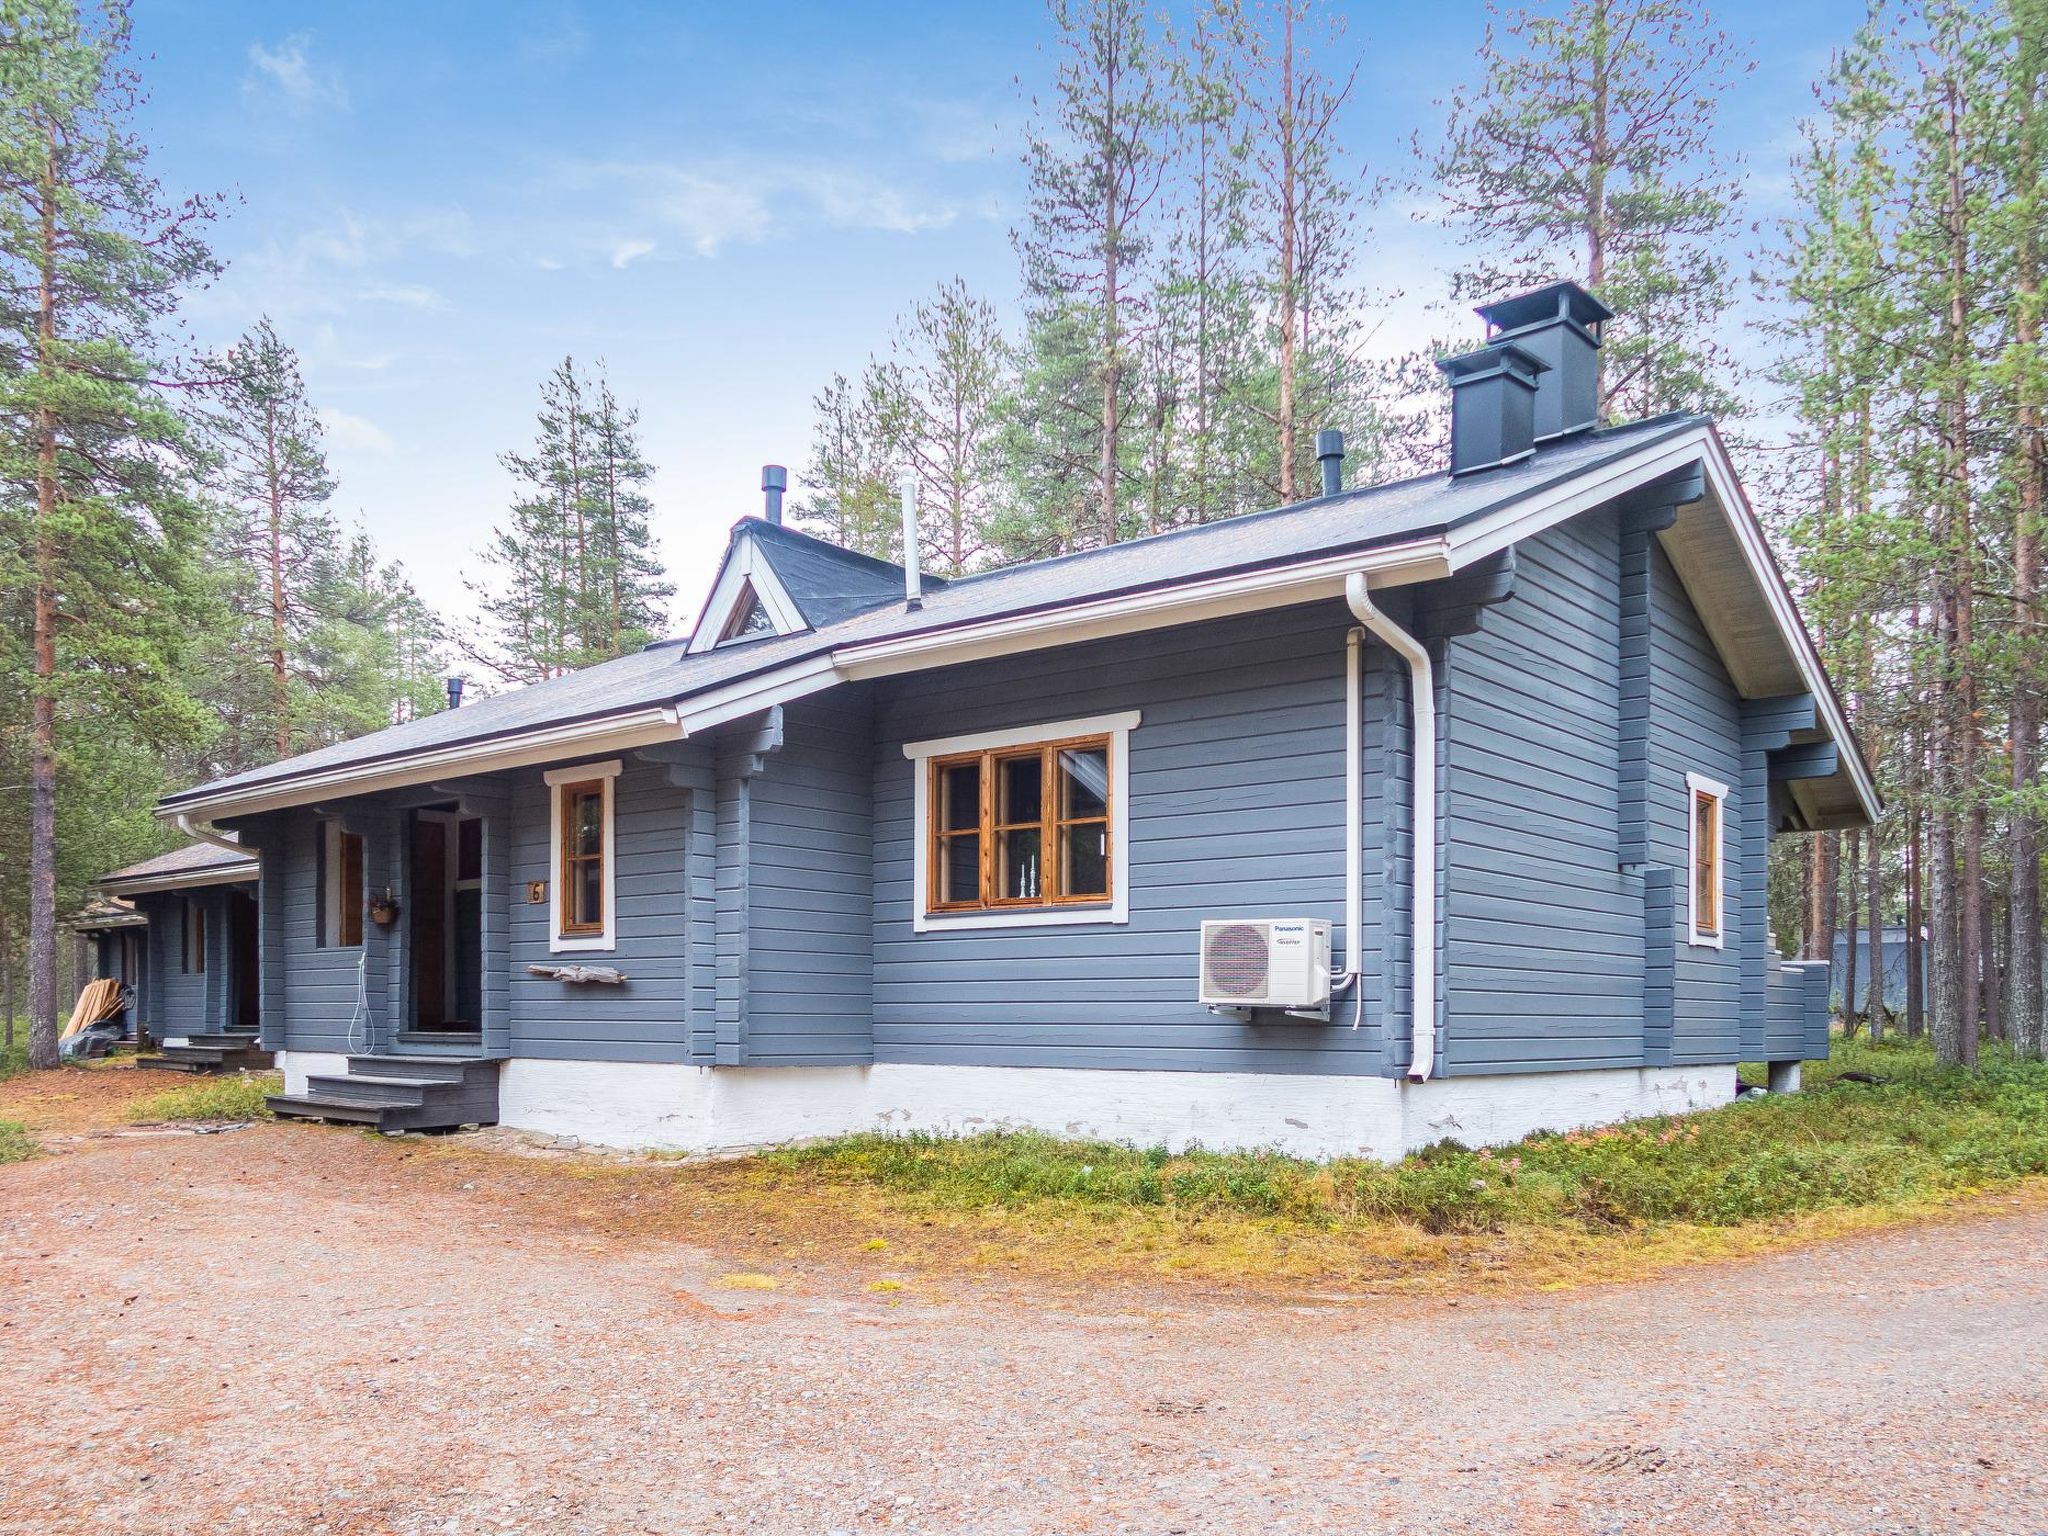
1354, 836
183, 821
1422, 920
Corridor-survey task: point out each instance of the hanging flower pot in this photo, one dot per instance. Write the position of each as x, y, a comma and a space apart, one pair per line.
384, 909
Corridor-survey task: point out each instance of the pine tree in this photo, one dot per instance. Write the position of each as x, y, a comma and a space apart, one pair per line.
92, 263
848, 498
572, 574
936, 401
1303, 216
1097, 159
1592, 129
273, 480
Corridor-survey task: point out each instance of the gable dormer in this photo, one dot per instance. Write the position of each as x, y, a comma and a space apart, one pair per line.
775, 580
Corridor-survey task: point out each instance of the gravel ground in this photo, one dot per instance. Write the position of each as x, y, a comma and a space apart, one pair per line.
285, 1329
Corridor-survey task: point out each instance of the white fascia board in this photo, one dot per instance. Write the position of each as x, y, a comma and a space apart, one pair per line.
548, 744
745, 567
1185, 603
227, 875
1702, 445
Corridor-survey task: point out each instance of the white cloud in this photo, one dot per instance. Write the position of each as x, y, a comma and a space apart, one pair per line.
355, 432
626, 252
287, 72
405, 295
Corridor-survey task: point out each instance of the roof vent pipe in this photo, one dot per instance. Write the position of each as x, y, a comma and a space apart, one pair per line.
1559, 324
774, 481
1330, 454
1493, 406
913, 579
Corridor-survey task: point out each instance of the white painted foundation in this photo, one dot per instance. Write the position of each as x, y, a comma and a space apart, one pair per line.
707, 1109
297, 1066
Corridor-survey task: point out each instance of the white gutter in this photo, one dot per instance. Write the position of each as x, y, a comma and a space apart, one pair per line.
1354, 833
1422, 919
200, 832
191, 880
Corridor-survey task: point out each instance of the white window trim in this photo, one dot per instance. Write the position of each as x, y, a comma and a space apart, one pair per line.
747, 567
1118, 729
1695, 785
582, 943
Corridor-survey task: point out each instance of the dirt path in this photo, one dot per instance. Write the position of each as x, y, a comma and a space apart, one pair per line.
277, 1330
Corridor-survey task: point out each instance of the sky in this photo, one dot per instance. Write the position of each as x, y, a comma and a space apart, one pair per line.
725, 204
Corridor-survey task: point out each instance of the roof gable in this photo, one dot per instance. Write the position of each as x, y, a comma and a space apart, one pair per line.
775, 580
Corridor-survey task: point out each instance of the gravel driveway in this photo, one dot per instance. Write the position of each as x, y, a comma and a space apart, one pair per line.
284, 1330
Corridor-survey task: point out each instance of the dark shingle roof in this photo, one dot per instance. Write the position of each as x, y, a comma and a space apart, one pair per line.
825, 582
1355, 520
192, 859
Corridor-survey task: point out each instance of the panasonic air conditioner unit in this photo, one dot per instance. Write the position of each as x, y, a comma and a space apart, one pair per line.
1267, 962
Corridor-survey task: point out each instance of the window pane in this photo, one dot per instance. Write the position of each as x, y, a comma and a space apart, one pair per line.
1084, 782
960, 868
1706, 840
469, 850
1084, 860
586, 822
960, 796
1019, 781
350, 915
589, 889
1019, 878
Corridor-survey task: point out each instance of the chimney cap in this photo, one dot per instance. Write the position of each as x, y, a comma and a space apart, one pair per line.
1503, 357
1561, 300
774, 477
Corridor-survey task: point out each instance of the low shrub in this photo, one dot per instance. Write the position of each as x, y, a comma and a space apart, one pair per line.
16, 1145
1899, 1132
212, 1098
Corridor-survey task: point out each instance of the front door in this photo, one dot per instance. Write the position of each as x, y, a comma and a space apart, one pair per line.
447, 932
242, 961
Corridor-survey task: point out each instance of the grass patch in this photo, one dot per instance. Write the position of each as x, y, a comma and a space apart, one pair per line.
1914, 1139
16, 1145
212, 1098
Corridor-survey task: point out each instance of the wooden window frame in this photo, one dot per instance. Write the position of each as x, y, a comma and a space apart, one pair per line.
1708, 929
337, 920
565, 937
932, 759
1049, 824
192, 939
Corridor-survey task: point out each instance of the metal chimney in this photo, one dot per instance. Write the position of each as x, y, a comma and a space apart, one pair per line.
1330, 454
774, 481
1493, 406
913, 578
1560, 324
454, 682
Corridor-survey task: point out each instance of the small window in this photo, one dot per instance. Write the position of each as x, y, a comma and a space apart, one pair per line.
1705, 901
193, 960
582, 858
339, 887
1020, 827
749, 619
584, 879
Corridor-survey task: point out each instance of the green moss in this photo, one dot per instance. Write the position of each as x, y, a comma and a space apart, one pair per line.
16, 1145
1915, 1135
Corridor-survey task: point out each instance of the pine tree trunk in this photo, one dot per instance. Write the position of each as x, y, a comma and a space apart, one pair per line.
1289, 190
1852, 867
1876, 1008
280, 693
1916, 932
7, 984
1824, 892
2029, 1022
42, 816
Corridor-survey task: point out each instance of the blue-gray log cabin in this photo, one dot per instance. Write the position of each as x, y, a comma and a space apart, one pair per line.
190, 954
1121, 843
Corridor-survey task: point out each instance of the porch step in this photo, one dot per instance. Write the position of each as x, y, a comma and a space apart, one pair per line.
210, 1053
400, 1093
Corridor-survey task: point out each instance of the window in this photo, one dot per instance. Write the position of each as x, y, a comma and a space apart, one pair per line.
749, 619
1023, 827
339, 917
193, 960
1704, 902
584, 879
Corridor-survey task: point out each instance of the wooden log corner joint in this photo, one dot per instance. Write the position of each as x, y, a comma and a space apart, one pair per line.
599, 975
